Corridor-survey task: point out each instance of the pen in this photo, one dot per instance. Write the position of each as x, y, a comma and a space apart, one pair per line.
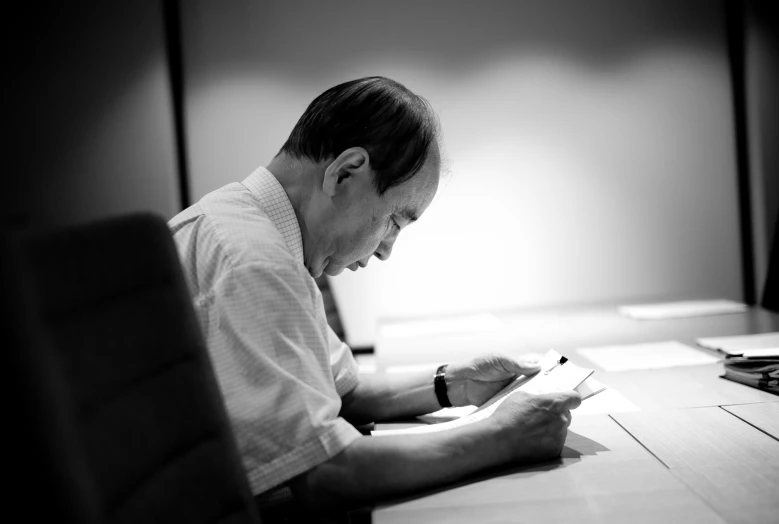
560, 362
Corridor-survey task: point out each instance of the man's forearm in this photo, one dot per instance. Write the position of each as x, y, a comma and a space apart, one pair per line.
385, 397
375, 468
523, 428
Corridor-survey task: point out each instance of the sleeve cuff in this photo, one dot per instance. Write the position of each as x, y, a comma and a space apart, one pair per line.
319, 448
343, 365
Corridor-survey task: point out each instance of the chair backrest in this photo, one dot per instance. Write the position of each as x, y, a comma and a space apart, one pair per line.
771, 289
121, 417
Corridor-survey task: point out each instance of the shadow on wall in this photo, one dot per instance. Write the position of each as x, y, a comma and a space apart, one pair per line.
88, 112
302, 40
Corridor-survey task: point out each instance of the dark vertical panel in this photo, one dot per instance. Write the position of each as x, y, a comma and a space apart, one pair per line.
770, 298
735, 19
763, 27
176, 68
88, 124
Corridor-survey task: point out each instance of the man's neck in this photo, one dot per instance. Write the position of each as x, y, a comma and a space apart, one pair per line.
298, 178
293, 177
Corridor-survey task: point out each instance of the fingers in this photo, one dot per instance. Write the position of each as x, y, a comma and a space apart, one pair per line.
564, 400
522, 365
569, 399
567, 417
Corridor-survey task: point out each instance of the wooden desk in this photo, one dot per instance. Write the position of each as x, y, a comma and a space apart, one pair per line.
604, 475
764, 417
675, 460
731, 465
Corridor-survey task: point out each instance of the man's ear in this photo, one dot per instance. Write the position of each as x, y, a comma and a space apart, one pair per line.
352, 163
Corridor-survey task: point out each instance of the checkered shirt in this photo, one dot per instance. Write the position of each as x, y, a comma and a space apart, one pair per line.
281, 369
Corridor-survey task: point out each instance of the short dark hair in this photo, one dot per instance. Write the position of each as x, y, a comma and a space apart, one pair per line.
393, 124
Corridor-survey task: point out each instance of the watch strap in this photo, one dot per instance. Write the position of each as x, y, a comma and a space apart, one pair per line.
439, 384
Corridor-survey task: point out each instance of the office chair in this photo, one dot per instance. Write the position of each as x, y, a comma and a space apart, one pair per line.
771, 290
118, 417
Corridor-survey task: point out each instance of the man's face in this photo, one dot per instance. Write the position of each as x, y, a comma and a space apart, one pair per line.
367, 224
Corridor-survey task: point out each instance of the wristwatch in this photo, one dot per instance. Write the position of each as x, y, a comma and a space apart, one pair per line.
439, 384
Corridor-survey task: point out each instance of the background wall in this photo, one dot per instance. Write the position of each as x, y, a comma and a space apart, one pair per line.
590, 144
87, 112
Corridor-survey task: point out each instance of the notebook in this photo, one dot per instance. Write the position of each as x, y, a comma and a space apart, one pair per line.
736, 345
758, 372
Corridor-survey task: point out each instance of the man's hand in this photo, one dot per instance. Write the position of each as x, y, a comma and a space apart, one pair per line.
475, 382
535, 426
524, 428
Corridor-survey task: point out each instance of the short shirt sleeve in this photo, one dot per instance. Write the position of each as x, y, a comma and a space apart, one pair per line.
345, 370
280, 372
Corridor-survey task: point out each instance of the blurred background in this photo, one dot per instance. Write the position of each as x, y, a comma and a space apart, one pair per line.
595, 150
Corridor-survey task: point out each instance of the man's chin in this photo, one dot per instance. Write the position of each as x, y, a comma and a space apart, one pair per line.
315, 272
332, 271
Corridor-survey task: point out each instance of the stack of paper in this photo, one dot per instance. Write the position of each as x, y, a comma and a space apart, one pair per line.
688, 308
758, 372
556, 374
737, 345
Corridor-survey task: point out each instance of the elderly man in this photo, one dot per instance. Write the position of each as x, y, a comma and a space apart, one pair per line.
361, 164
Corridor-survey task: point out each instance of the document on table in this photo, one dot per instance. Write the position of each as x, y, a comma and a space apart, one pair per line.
589, 388
447, 414
761, 353
760, 372
688, 308
654, 355
738, 344
461, 324
553, 376
608, 402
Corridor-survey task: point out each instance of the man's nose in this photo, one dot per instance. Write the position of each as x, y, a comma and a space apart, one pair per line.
384, 250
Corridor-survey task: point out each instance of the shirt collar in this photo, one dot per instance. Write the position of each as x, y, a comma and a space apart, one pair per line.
275, 202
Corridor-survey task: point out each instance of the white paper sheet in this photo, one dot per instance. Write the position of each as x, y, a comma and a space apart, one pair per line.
738, 344
688, 308
366, 368
607, 402
646, 356
590, 388
761, 353
447, 414
413, 368
559, 378
461, 324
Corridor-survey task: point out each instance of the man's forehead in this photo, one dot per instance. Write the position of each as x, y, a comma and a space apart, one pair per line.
414, 204
413, 196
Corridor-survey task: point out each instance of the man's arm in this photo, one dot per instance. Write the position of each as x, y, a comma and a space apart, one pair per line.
389, 396
385, 397
525, 428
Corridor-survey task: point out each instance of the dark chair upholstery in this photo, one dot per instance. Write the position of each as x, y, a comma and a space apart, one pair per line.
120, 419
771, 289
